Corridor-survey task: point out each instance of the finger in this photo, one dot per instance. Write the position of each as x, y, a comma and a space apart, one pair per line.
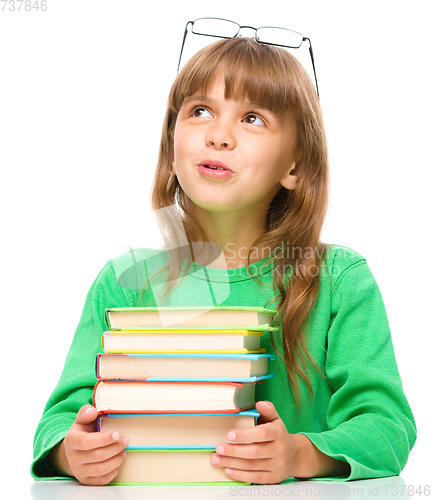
256, 477
86, 414
258, 434
104, 468
85, 441
99, 481
98, 455
247, 451
263, 464
103, 480
86, 418
267, 412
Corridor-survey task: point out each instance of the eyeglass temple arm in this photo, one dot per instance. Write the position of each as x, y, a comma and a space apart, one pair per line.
313, 64
183, 43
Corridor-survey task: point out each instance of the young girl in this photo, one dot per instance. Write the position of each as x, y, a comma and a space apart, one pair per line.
243, 160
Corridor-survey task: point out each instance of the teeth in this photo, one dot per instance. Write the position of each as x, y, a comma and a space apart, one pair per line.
214, 168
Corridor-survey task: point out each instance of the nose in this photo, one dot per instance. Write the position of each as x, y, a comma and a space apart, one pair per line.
220, 136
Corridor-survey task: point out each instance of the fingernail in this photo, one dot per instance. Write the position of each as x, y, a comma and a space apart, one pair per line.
125, 441
231, 436
228, 472
220, 449
215, 459
88, 409
116, 436
124, 453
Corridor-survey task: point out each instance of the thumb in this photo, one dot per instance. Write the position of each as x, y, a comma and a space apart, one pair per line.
85, 418
267, 411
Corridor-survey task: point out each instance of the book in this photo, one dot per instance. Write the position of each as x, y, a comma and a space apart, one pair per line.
152, 318
172, 397
169, 466
171, 341
154, 431
175, 381
168, 366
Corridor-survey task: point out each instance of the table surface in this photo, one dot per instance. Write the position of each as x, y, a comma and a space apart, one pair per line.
390, 487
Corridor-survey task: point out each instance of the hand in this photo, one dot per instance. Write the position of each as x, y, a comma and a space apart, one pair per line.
92, 457
264, 454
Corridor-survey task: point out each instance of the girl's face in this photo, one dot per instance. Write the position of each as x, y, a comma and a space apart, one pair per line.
232, 155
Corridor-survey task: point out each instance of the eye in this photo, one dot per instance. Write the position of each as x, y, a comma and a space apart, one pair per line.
254, 119
201, 112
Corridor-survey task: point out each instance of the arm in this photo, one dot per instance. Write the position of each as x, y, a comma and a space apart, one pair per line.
312, 462
370, 425
274, 454
370, 422
57, 459
75, 387
92, 457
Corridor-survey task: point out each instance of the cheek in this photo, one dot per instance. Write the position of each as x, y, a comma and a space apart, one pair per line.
181, 147
179, 163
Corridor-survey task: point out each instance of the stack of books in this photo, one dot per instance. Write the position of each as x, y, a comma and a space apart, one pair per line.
176, 391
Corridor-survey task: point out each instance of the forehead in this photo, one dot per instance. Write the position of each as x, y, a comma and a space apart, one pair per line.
216, 91
237, 86
239, 83
216, 94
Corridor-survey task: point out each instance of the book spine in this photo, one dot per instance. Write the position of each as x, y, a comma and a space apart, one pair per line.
94, 396
99, 423
98, 363
176, 381
114, 412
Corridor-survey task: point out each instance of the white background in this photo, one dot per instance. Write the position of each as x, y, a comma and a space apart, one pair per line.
83, 93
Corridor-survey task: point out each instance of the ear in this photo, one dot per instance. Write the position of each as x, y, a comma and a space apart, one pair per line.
173, 169
290, 179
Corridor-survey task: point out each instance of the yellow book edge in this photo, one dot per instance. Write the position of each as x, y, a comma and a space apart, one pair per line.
184, 332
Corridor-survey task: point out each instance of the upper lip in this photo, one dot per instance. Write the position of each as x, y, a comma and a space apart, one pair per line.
215, 163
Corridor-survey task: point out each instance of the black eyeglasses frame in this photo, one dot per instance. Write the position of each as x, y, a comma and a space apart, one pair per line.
304, 39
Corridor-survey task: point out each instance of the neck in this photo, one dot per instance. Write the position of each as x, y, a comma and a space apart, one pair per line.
234, 233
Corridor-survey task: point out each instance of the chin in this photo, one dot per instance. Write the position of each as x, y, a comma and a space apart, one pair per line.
216, 206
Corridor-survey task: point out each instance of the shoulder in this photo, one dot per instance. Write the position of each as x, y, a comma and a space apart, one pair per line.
136, 255
124, 276
133, 268
339, 260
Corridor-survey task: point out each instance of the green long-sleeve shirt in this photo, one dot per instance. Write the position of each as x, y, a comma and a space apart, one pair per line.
360, 415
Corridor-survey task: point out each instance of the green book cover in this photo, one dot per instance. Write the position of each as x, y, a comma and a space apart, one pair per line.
261, 311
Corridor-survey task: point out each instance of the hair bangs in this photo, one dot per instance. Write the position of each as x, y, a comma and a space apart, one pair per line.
251, 71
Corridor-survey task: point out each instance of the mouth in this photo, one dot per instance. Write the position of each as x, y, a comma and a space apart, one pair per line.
215, 170
214, 165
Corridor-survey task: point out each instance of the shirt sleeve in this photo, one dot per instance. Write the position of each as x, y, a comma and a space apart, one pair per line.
370, 423
75, 387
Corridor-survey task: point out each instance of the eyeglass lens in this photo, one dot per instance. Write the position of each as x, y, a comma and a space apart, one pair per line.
279, 36
229, 29
215, 27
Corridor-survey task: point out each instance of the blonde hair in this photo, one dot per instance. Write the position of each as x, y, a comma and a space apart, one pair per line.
272, 77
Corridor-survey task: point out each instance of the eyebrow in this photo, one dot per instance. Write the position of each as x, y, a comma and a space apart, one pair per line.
194, 97
206, 100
